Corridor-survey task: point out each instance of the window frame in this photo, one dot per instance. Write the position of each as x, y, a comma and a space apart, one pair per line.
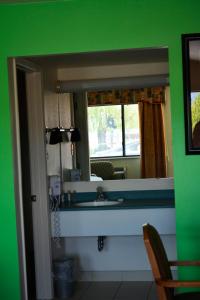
123, 130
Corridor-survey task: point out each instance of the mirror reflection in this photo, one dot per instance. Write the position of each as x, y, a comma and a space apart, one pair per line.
191, 61
109, 117
194, 51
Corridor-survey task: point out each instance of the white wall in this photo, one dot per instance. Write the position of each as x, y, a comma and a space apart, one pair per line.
51, 119
57, 109
113, 71
123, 258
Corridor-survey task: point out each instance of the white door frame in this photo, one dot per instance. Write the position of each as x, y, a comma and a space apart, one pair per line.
39, 184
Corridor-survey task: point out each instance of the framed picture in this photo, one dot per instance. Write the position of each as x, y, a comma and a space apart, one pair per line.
191, 81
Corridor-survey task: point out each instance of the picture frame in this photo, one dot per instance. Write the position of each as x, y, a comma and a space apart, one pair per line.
191, 88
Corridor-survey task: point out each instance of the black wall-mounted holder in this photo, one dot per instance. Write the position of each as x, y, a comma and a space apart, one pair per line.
60, 134
100, 242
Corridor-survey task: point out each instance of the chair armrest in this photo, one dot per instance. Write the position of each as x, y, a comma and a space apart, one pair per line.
119, 173
177, 283
185, 263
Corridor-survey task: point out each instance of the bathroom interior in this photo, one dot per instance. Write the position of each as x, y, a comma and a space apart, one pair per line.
96, 216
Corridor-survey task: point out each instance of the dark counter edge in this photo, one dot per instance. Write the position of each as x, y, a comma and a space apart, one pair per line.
132, 200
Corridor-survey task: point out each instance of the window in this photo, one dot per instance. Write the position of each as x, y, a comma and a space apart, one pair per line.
113, 130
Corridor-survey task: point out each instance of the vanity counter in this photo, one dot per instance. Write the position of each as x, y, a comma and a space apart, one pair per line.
125, 204
124, 219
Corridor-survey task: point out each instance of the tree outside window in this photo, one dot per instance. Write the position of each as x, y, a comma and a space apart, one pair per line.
113, 130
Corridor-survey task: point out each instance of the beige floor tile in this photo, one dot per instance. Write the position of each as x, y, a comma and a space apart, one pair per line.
101, 291
79, 289
135, 290
152, 293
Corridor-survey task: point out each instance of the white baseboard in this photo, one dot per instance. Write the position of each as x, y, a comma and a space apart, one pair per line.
139, 275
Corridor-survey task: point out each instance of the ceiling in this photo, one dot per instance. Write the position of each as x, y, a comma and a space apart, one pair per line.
120, 57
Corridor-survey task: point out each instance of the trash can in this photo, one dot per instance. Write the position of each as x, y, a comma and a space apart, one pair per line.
63, 272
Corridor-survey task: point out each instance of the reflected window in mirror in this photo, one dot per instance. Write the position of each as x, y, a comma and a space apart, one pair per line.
113, 130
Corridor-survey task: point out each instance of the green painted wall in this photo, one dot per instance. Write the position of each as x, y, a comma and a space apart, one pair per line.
76, 26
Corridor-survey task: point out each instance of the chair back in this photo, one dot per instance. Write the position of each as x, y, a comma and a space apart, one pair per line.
158, 260
103, 169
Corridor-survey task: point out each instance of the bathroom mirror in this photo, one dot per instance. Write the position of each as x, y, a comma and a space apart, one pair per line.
104, 95
191, 75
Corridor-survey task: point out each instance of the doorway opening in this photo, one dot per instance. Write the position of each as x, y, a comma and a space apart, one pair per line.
55, 85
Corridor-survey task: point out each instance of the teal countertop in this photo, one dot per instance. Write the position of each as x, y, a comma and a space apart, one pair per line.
126, 204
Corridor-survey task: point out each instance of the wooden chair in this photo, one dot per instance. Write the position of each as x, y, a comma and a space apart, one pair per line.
161, 268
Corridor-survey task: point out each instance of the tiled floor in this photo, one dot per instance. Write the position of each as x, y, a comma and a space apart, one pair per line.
114, 291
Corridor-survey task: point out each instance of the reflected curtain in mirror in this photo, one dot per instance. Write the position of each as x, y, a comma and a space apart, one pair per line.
111, 97
153, 153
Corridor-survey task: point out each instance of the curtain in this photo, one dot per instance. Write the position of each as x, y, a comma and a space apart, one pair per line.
153, 155
111, 97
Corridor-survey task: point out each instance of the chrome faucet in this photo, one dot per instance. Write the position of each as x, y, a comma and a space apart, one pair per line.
100, 194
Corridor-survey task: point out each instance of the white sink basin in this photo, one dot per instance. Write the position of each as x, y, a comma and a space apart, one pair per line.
97, 203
